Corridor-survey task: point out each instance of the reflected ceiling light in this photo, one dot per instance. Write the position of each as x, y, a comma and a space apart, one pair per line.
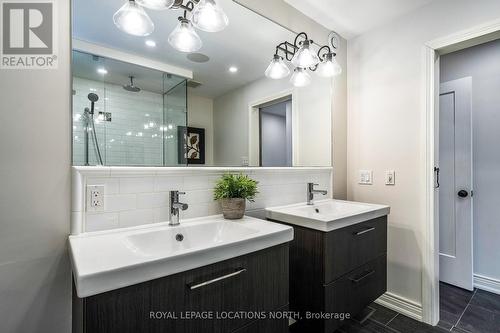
233, 69
156, 4
300, 77
184, 38
329, 67
102, 71
302, 56
277, 69
209, 16
150, 43
132, 19
305, 57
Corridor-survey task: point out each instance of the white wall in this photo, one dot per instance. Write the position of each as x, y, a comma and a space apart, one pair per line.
385, 119
312, 131
286, 15
35, 145
200, 114
483, 65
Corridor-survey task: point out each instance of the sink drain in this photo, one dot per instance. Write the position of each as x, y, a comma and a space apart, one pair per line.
317, 210
179, 237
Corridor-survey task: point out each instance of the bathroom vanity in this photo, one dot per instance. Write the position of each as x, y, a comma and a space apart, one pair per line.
223, 276
338, 259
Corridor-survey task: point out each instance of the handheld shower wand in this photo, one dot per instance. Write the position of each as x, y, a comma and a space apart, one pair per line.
93, 98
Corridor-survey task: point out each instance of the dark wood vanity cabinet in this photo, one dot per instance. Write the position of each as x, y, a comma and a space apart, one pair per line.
337, 272
253, 284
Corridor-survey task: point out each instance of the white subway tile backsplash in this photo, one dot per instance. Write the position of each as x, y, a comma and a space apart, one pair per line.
111, 185
119, 202
137, 217
152, 200
195, 182
136, 185
169, 183
101, 221
161, 214
135, 196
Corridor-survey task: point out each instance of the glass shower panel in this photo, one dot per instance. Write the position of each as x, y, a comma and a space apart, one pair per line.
136, 115
83, 85
175, 116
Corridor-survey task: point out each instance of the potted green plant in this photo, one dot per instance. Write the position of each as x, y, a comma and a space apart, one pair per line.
232, 190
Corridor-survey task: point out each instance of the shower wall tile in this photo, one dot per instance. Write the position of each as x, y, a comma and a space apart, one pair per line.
136, 196
136, 132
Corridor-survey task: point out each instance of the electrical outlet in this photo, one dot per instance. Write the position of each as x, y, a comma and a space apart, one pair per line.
95, 198
365, 177
390, 177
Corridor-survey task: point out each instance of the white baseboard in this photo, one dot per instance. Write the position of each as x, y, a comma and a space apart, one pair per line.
401, 305
486, 283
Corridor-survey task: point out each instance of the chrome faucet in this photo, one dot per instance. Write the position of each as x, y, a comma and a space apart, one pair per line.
311, 191
175, 207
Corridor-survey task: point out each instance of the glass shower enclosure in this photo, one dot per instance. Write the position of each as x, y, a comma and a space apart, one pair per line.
125, 114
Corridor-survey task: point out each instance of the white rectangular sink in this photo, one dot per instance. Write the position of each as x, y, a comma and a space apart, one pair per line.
108, 260
327, 215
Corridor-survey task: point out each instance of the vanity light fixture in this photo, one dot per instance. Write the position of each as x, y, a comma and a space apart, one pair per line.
300, 77
133, 19
303, 57
156, 4
184, 38
277, 69
205, 15
209, 16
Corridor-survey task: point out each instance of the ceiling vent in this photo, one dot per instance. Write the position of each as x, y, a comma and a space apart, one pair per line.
193, 84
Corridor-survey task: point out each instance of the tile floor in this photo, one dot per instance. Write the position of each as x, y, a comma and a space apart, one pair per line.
461, 311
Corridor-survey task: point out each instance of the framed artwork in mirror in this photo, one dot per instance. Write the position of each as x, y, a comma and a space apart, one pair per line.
191, 145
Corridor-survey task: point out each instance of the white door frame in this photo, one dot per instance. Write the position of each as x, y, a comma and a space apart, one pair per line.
431, 53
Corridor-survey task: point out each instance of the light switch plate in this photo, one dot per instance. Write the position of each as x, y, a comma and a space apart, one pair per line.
365, 177
390, 177
95, 198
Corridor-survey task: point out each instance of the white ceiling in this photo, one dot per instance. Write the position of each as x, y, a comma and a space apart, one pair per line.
248, 42
351, 18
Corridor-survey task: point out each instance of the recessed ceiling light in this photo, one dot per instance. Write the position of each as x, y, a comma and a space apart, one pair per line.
102, 71
233, 69
150, 43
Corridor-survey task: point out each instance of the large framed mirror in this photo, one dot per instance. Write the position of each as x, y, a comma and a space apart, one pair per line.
159, 106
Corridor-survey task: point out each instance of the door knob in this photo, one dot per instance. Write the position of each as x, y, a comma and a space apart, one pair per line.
463, 193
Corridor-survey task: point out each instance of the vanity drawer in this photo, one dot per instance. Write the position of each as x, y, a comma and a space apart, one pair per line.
348, 248
356, 290
254, 282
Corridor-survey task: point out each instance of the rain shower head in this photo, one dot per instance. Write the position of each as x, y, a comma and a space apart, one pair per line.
131, 87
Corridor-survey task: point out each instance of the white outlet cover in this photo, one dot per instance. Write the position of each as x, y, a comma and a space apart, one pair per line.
95, 198
366, 177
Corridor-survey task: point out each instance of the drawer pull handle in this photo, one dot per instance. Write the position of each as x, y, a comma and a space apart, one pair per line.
364, 276
206, 283
364, 231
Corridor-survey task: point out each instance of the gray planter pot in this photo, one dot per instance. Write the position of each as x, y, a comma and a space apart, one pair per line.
233, 208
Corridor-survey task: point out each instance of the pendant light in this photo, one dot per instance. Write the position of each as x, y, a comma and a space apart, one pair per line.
132, 19
156, 4
300, 77
329, 67
277, 69
184, 38
209, 16
305, 57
